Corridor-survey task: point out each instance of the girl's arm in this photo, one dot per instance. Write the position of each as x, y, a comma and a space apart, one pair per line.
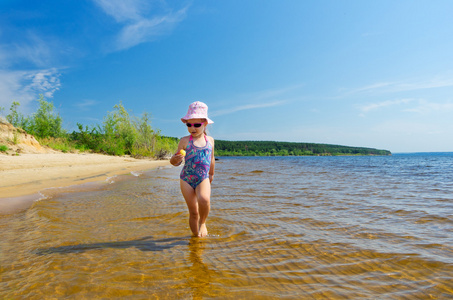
212, 167
177, 158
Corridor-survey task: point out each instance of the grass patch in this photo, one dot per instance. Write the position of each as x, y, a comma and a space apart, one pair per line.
62, 144
3, 148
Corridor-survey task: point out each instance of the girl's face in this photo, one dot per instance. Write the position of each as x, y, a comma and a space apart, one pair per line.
193, 129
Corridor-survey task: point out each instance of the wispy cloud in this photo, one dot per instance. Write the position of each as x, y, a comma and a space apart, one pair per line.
378, 105
35, 49
45, 82
424, 107
140, 20
258, 100
371, 87
124, 10
428, 84
86, 104
30, 48
245, 107
24, 86
420, 106
403, 86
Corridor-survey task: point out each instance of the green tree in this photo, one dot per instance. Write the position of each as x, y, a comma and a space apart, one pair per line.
15, 117
45, 122
145, 137
119, 135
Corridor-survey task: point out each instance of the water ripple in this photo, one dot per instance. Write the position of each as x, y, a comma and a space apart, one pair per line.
310, 227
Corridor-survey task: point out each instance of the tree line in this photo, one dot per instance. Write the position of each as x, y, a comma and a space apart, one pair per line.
272, 148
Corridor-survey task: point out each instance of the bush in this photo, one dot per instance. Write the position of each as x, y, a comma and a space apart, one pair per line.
165, 146
87, 138
3, 148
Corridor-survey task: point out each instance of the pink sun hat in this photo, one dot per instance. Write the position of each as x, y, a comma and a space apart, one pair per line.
197, 110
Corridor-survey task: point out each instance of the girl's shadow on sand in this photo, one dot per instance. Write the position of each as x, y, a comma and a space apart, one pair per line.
143, 244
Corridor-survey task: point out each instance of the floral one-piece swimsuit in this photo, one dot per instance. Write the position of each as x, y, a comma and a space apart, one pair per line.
198, 162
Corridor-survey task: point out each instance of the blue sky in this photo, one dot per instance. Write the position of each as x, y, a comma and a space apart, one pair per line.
358, 73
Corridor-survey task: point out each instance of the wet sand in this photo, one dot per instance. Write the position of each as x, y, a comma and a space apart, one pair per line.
23, 177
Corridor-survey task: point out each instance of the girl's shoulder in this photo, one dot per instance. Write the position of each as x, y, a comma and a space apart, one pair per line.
184, 141
185, 138
210, 139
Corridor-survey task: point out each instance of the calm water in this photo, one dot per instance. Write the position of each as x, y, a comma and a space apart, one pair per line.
295, 228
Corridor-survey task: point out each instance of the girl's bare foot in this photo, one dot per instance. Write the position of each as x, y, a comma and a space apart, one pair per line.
203, 230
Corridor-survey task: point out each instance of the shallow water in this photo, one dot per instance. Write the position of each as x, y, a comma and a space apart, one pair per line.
302, 227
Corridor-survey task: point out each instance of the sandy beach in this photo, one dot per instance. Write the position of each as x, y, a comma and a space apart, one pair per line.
27, 174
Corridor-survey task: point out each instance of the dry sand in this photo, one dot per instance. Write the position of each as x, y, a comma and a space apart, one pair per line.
27, 174
27, 168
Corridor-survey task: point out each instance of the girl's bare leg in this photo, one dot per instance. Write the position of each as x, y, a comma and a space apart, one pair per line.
192, 204
203, 192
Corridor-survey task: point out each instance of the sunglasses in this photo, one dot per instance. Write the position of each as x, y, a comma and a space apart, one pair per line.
196, 125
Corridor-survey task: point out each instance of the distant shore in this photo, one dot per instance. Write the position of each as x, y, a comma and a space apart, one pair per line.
27, 174
274, 148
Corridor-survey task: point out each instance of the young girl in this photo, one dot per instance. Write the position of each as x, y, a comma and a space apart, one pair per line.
198, 171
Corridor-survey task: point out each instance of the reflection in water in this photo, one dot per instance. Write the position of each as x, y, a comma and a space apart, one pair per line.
199, 275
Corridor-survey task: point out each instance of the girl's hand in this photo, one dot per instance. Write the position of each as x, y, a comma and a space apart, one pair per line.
177, 158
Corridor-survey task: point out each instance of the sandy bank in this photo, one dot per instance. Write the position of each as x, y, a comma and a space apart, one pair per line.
28, 174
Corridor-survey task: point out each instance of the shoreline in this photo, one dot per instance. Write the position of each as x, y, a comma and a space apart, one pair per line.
23, 177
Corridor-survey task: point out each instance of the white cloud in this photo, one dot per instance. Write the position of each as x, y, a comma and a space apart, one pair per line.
122, 10
147, 29
420, 106
245, 107
403, 86
139, 26
427, 107
25, 86
258, 100
36, 50
86, 104
371, 87
31, 48
44, 82
374, 106
428, 84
